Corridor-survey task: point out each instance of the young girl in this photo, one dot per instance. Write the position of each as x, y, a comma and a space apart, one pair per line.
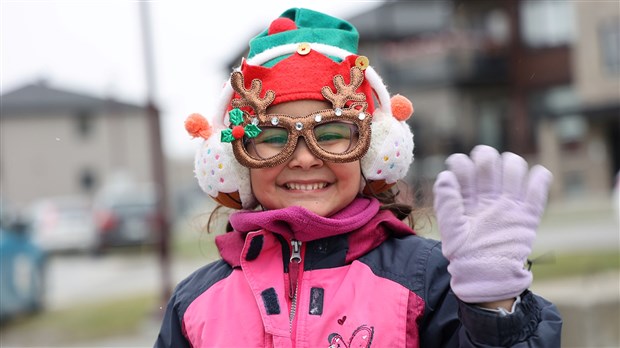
318, 255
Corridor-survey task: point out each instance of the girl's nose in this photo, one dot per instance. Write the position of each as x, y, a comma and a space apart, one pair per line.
303, 158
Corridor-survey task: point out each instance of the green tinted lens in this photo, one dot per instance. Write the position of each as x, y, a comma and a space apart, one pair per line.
336, 137
272, 136
269, 142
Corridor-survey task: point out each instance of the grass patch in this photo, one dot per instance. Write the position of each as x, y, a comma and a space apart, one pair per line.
554, 266
195, 246
192, 239
81, 323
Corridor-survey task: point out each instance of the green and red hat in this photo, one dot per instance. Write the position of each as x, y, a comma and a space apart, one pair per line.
301, 52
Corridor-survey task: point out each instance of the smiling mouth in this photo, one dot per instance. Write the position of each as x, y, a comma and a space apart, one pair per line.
306, 187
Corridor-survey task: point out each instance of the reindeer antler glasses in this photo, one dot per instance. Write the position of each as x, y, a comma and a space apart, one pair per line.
340, 134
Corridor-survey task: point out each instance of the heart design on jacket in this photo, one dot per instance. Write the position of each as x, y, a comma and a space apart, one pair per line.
361, 337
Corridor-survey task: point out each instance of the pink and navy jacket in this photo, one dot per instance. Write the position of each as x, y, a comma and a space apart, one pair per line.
360, 278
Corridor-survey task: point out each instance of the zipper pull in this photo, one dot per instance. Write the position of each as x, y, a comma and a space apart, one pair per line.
293, 267
295, 251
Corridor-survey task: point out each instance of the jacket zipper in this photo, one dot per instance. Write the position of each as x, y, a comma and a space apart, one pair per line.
293, 269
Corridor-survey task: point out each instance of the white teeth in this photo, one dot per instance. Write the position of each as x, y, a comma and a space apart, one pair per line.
306, 187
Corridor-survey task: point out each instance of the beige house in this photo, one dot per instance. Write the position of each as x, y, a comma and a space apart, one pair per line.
582, 135
57, 142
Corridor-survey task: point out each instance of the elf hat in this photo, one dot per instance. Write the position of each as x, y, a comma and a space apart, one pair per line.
303, 54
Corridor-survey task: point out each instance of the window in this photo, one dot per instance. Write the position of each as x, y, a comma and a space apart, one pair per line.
571, 131
87, 180
609, 42
84, 123
574, 185
491, 123
555, 100
547, 23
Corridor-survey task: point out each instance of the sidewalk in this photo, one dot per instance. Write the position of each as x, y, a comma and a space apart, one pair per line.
590, 308
591, 224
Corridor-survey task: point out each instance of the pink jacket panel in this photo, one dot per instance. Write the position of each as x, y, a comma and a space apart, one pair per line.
357, 307
219, 318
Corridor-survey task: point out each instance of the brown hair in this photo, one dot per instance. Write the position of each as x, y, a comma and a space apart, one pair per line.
215, 217
406, 203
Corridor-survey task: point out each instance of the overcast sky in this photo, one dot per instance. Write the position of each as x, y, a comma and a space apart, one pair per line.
94, 47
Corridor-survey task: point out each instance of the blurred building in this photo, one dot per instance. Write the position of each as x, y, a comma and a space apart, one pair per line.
540, 78
581, 127
58, 142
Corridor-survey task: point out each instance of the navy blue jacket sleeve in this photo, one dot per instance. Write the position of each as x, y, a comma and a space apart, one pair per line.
448, 322
171, 331
534, 323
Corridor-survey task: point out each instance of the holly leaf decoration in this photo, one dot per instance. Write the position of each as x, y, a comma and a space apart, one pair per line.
251, 131
236, 116
227, 136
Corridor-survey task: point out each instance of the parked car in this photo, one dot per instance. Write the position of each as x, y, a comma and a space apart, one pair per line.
126, 217
63, 224
22, 272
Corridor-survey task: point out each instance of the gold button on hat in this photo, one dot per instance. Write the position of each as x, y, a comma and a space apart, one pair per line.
362, 62
303, 48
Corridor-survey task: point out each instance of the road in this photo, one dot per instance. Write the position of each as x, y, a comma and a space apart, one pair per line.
73, 279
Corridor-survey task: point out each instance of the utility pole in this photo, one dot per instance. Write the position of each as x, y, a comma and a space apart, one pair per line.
159, 171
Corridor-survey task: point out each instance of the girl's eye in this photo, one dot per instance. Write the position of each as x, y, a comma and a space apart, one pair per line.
331, 136
274, 140
332, 131
272, 136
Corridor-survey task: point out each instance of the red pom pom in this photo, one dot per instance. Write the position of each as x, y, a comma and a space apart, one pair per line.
402, 108
281, 24
238, 132
198, 126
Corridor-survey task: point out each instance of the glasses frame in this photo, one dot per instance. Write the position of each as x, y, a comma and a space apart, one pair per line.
308, 122
309, 137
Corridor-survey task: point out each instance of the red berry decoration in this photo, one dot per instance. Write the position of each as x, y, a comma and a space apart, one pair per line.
238, 132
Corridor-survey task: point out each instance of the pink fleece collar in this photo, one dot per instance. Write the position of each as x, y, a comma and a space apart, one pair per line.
368, 227
304, 225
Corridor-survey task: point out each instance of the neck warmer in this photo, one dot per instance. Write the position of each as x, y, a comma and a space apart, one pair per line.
367, 225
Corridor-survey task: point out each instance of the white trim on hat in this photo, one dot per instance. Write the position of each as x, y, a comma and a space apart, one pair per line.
282, 50
220, 119
385, 103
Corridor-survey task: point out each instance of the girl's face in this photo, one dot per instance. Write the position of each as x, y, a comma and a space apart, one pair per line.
305, 180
